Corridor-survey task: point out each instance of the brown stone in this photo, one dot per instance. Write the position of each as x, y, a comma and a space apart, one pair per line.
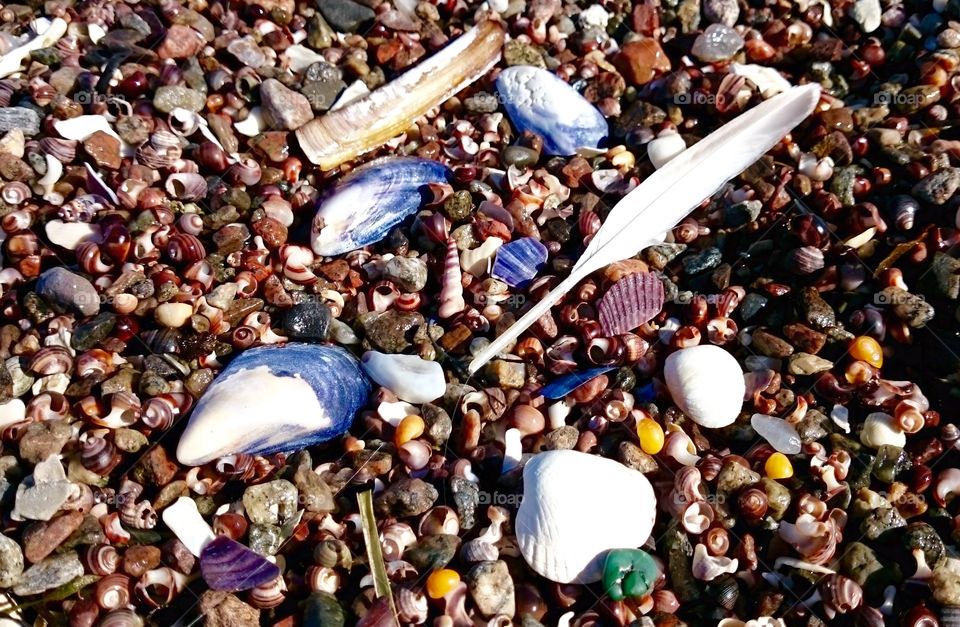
181, 42
838, 119
270, 5
272, 231
140, 558
804, 338
335, 270
41, 538
104, 149
222, 609
640, 61
159, 469
646, 17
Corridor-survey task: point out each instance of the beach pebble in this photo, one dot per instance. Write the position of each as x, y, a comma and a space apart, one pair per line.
718, 42
273, 502
778, 432
411, 378
867, 13
23, 119
51, 573
42, 494
721, 11
173, 315
222, 609
939, 187
392, 330
433, 551
247, 52
11, 562
41, 538
806, 364
284, 108
491, 588
40, 440
104, 149
406, 497
664, 148
68, 292
166, 98
320, 610
409, 273
642, 60
180, 42
345, 16
879, 429
309, 322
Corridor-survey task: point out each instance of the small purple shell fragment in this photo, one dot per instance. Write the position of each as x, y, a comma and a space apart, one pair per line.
561, 386
631, 301
519, 261
228, 565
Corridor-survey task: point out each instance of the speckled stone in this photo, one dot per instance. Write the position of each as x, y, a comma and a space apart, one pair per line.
406, 497
93, 331
221, 609
323, 610
41, 538
309, 322
939, 187
284, 108
437, 422
393, 331
11, 562
264, 539
562, 438
166, 98
345, 16
51, 573
815, 311
409, 273
466, 499
20, 118
68, 292
40, 440
433, 552
492, 588
315, 494
271, 503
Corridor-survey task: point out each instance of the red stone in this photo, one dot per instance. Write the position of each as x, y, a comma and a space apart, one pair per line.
640, 61
181, 42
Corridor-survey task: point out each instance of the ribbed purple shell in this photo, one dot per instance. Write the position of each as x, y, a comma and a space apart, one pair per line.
633, 300
228, 565
519, 261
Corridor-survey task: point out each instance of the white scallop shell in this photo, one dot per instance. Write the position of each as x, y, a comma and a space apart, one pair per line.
706, 382
576, 507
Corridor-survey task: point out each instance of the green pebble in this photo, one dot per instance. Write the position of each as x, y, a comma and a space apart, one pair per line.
628, 573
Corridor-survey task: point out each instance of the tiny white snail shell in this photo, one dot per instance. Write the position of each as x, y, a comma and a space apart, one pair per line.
706, 382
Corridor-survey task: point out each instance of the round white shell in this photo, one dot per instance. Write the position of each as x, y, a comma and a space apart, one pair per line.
411, 378
576, 507
706, 383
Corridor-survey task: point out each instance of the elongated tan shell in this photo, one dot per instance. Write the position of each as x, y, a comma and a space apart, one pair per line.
576, 507
369, 122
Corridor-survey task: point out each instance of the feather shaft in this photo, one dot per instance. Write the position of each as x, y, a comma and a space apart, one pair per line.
668, 195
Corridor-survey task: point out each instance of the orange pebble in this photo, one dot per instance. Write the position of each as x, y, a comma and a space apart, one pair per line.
867, 349
442, 581
409, 428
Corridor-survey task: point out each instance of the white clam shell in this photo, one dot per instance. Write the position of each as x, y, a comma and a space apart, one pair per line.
879, 429
706, 383
664, 148
412, 379
576, 507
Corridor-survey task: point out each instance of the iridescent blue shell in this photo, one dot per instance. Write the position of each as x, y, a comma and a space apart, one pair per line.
563, 385
274, 399
363, 207
519, 261
228, 565
539, 101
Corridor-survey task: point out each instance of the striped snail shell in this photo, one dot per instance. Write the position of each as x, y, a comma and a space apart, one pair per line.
158, 587
51, 360
113, 591
122, 617
101, 559
139, 515
323, 579
269, 595
99, 455
412, 607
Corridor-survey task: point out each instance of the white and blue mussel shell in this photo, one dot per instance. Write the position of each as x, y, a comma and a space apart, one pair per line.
363, 207
541, 102
274, 399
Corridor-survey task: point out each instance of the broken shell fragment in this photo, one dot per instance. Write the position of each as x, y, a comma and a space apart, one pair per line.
706, 382
574, 512
411, 378
371, 121
274, 399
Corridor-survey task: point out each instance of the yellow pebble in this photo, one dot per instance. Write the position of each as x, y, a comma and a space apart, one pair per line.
409, 428
778, 467
651, 436
867, 349
442, 581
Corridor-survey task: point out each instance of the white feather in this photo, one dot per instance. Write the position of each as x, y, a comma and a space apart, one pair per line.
672, 192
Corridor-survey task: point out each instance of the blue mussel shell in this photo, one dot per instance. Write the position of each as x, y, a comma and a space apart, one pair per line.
275, 399
363, 207
541, 102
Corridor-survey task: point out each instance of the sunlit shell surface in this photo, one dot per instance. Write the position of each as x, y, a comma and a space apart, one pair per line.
576, 507
706, 382
273, 399
367, 203
539, 101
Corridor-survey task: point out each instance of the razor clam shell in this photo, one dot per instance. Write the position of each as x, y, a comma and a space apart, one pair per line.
274, 399
630, 302
576, 507
388, 111
366, 204
539, 101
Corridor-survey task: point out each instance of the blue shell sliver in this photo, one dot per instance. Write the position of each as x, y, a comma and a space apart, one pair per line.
363, 207
274, 399
225, 564
541, 102
561, 386
519, 261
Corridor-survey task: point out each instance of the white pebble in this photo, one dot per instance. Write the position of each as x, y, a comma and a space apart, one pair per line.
840, 416
184, 520
879, 429
411, 378
12, 412
778, 432
867, 14
393, 413
595, 16
705, 382
173, 315
664, 148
